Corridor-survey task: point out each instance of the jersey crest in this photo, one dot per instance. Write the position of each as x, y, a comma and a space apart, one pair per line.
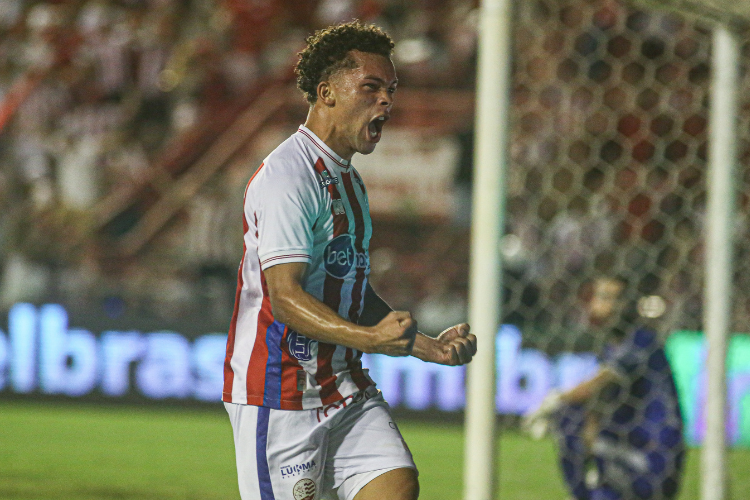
299, 346
326, 179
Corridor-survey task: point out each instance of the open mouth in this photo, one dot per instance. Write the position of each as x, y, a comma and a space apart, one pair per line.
375, 128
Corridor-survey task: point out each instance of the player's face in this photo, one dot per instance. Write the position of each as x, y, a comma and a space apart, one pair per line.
364, 97
605, 300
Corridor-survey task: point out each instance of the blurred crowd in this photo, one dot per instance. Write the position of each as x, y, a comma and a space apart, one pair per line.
92, 84
607, 160
95, 94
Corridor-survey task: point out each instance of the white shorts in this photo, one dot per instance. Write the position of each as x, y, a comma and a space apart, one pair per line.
328, 453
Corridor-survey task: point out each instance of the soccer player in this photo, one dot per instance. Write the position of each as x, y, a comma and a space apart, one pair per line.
307, 419
620, 431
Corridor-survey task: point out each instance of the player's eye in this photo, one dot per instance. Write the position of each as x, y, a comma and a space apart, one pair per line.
371, 86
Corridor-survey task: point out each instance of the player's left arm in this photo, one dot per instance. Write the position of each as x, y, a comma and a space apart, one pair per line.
374, 309
455, 346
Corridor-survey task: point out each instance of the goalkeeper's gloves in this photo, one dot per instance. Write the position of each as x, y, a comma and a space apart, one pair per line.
537, 422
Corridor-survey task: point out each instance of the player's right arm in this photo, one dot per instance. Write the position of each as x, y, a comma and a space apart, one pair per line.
292, 305
283, 204
587, 389
536, 422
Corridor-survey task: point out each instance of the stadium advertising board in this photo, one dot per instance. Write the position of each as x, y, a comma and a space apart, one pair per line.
42, 354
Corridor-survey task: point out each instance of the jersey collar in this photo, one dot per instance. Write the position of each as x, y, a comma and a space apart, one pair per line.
323, 147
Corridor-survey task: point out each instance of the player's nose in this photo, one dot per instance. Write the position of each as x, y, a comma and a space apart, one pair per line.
386, 99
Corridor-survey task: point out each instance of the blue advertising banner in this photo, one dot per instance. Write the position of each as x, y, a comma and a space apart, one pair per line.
42, 354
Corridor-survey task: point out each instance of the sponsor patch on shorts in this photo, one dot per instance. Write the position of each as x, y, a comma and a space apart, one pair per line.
304, 489
288, 471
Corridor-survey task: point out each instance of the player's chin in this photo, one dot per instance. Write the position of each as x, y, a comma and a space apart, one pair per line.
367, 147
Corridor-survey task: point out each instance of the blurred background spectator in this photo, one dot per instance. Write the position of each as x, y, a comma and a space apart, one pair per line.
128, 129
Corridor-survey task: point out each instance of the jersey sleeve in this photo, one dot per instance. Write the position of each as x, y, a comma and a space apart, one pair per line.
286, 205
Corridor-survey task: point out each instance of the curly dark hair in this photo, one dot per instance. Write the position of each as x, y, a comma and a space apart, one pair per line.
328, 50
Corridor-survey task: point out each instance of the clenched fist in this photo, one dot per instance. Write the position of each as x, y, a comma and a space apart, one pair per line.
455, 346
394, 335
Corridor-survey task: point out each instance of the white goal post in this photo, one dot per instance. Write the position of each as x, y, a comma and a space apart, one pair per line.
722, 187
490, 167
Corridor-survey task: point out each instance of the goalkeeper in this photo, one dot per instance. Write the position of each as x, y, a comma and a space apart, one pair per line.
620, 431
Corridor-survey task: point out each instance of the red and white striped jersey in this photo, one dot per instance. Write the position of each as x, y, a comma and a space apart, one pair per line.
304, 204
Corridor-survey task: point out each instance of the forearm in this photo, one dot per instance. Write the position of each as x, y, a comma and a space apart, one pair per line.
590, 388
374, 309
425, 348
590, 430
310, 317
302, 312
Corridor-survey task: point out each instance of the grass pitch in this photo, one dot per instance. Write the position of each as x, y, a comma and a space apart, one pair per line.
85, 452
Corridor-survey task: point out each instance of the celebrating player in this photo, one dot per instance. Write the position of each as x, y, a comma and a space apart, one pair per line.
620, 431
308, 421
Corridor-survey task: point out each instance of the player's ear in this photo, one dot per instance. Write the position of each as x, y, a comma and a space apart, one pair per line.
326, 95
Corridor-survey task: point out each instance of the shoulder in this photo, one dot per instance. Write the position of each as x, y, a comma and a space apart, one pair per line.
635, 348
288, 165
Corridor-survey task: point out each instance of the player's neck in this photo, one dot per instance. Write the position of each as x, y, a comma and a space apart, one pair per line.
321, 124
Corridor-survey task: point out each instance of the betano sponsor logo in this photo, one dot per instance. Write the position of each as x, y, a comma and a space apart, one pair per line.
339, 257
42, 353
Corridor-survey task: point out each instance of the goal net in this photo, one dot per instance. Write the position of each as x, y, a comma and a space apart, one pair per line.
607, 178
